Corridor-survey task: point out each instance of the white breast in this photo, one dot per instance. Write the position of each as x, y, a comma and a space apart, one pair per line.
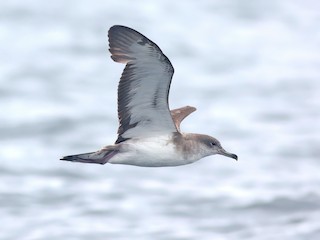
149, 152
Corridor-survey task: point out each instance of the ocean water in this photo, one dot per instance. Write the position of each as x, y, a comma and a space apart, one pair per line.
252, 69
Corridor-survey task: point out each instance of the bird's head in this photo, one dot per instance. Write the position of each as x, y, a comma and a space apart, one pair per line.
211, 146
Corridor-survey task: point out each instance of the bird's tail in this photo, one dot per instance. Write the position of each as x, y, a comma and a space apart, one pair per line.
100, 157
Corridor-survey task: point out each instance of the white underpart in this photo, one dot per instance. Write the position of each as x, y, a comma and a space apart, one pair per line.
150, 152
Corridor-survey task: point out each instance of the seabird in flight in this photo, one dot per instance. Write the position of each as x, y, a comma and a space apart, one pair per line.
149, 133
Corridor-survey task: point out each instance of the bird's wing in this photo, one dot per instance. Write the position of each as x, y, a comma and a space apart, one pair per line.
179, 114
144, 85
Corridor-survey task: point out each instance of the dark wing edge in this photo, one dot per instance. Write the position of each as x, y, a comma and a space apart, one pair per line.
124, 46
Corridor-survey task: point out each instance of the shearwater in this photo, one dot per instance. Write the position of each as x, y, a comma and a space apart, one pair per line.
149, 133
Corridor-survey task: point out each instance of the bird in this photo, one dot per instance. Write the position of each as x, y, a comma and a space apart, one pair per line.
149, 132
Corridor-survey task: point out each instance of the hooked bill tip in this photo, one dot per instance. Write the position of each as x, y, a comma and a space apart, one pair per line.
234, 156
227, 154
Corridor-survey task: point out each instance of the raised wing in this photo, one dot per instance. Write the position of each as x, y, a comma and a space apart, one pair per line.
144, 85
179, 114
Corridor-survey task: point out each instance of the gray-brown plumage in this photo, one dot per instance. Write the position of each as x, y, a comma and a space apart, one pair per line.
149, 133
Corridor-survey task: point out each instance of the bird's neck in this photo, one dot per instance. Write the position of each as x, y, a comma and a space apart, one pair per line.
188, 145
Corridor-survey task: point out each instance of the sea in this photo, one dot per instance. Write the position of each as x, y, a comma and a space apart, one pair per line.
252, 70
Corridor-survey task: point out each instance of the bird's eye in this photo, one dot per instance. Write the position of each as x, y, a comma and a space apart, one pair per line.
212, 144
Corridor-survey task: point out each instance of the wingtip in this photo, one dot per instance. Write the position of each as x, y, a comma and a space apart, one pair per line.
117, 26
66, 158
191, 108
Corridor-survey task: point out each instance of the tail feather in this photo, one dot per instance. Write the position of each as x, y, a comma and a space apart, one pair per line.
100, 157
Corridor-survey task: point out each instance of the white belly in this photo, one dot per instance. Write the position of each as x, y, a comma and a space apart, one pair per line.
149, 152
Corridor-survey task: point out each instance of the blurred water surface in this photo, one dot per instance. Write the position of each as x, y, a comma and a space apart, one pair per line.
250, 67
